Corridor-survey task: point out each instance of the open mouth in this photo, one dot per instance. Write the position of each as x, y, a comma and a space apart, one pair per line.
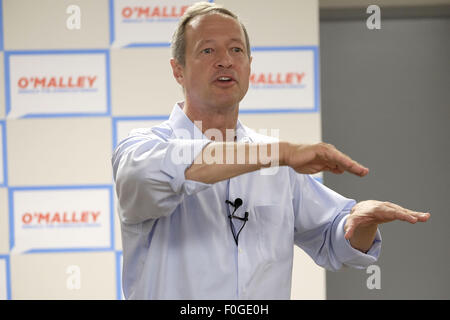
224, 79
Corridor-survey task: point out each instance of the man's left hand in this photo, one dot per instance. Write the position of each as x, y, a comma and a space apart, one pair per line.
365, 216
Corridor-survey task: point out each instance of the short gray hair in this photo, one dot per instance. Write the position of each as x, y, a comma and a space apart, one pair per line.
197, 9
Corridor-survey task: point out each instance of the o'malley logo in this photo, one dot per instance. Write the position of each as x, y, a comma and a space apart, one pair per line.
52, 219
152, 13
277, 80
50, 84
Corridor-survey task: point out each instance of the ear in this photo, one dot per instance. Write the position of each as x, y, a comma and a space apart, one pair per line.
178, 71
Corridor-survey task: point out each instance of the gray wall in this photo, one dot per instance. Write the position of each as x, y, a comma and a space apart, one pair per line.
386, 103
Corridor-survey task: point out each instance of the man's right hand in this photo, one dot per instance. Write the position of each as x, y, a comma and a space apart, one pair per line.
314, 158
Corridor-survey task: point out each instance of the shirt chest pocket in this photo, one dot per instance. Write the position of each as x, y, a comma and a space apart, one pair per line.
275, 229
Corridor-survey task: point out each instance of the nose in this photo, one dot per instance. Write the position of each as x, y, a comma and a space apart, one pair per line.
224, 60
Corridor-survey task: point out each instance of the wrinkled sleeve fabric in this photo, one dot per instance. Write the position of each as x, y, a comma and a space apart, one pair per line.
320, 217
148, 171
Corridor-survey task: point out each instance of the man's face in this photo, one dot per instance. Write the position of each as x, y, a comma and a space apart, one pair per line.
217, 67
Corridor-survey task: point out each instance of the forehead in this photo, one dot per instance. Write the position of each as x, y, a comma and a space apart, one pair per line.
213, 26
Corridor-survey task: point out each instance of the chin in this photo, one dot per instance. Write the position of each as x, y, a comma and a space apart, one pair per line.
226, 105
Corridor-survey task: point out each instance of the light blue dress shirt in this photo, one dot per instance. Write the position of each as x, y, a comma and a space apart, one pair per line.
176, 236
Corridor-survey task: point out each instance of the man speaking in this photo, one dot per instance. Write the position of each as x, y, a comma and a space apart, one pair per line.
209, 209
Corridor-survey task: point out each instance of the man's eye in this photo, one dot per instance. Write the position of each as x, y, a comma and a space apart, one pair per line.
207, 50
237, 49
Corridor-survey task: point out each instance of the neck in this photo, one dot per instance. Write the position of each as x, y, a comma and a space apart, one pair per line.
215, 124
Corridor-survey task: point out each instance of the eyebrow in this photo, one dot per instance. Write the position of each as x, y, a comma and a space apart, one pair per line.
203, 42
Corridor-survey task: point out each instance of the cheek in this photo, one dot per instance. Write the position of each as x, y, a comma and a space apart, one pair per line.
245, 68
246, 76
196, 83
196, 76
189, 79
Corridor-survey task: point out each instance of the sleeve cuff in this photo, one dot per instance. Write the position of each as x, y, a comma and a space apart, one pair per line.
179, 156
350, 256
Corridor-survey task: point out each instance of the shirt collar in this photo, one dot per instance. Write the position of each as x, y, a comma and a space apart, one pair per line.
184, 128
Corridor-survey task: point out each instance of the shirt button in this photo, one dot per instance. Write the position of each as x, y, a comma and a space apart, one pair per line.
240, 250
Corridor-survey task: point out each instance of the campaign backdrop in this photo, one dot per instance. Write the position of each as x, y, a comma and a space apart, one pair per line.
75, 78
57, 83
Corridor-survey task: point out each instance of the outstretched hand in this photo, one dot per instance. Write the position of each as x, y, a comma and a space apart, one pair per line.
361, 225
372, 212
314, 158
365, 216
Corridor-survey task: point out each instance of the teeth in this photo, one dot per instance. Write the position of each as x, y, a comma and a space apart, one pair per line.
224, 78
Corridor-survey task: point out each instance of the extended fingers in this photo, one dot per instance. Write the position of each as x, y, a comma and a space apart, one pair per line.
340, 162
358, 169
406, 214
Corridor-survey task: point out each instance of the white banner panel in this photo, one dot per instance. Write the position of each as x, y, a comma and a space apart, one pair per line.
145, 22
2, 86
66, 218
3, 279
283, 79
123, 126
68, 276
2, 154
57, 83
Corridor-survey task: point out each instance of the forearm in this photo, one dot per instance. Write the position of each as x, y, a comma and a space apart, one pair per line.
223, 160
363, 237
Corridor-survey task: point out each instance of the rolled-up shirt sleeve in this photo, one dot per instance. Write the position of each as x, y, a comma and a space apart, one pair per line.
149, 172
348, 255
320, 216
